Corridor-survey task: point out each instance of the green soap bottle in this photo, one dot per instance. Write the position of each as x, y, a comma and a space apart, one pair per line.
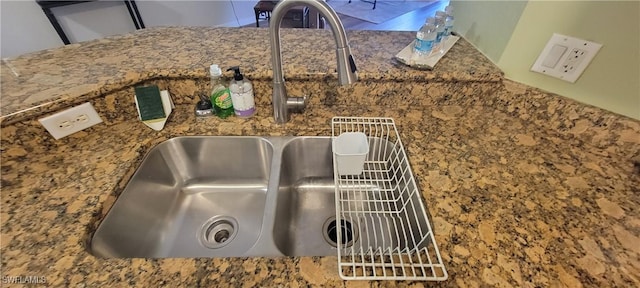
220, 95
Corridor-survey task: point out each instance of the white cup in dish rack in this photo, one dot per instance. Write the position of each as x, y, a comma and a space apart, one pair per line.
351, 149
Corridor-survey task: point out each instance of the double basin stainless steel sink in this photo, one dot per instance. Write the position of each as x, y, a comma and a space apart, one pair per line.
218, 196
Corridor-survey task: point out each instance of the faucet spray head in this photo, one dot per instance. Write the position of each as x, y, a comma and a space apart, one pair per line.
346, 66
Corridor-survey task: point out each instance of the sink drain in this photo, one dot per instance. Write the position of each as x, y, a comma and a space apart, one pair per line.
218, 231
348, 236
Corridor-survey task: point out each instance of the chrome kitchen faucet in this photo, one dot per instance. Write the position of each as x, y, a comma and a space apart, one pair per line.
346, 65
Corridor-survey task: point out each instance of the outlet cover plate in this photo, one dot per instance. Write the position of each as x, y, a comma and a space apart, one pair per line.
71, 120
565, 57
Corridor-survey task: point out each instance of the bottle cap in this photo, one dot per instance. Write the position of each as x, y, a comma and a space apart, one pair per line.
448, 10
214, 70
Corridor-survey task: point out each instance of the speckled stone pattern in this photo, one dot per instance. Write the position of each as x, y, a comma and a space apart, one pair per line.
525, 188
52, 79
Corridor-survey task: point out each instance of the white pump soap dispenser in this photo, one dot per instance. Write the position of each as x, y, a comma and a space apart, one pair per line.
241, 94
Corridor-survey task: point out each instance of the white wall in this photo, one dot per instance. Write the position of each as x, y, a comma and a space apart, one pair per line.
25, 28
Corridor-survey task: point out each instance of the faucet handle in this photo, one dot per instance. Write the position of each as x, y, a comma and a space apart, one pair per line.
297, 104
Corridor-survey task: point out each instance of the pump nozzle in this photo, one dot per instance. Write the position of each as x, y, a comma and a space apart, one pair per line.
237, 75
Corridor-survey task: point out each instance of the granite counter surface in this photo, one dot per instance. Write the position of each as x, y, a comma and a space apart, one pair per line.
35, 83
513, 203
525, 189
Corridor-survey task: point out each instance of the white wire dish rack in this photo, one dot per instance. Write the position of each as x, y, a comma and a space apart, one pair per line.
383, 229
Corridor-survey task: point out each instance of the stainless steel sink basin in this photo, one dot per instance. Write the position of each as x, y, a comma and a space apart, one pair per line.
306, 199
217, 196
191, 197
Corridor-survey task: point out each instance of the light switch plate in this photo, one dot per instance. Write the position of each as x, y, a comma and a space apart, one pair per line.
71, 120
565, 57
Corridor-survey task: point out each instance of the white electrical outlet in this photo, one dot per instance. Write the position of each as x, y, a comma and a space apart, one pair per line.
71, 120
565, 57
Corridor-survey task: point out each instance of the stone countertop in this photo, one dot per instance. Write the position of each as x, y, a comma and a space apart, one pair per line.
524, 188
43, 81
513, 203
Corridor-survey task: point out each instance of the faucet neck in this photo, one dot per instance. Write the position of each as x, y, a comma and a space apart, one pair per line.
342, 44
346, 64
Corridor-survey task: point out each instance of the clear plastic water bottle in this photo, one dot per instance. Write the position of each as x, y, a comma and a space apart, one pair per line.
439, 44
425, 38
440, 26
448, 21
